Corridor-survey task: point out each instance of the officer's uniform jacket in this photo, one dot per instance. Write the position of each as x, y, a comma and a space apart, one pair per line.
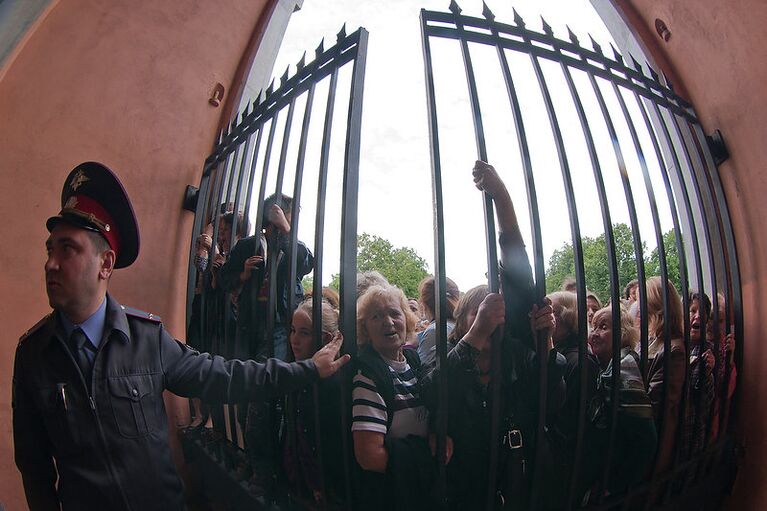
108, 436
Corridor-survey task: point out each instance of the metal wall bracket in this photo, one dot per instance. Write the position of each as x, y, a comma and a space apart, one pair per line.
190, 198
718, 148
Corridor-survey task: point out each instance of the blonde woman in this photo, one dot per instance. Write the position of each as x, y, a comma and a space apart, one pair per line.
665, 390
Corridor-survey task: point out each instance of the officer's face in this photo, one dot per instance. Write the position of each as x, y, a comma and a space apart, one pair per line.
75, 272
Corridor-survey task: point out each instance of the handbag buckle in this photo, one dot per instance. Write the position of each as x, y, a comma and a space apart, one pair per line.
513, 438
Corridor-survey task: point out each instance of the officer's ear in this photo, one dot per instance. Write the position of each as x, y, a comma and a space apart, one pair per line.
108, 258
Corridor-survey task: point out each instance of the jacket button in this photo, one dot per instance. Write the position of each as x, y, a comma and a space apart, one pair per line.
134, 392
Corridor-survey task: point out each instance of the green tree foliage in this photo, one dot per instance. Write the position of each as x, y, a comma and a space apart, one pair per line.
401, 266
672, 260
307, 283
562, 264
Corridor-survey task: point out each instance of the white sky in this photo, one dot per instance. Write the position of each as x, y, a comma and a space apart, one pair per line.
395, 171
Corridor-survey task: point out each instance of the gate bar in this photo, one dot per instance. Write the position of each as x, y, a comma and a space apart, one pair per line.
639, 257
319, 243
614, 284
670, 148
439, 268
734, 305
492, 262
348, 278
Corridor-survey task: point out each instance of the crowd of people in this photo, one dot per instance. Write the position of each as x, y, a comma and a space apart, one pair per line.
249, 303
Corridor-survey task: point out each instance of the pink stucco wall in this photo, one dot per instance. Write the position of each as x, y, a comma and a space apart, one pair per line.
127, 84
717, 55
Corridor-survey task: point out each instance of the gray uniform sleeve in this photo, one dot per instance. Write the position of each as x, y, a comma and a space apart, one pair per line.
189, 373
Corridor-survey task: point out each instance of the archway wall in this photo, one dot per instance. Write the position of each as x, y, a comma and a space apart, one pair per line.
715, 57
127, 84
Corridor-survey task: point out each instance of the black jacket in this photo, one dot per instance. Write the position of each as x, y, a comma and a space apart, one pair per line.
229, 276
407, 483
109, 437
564, 429
470, 403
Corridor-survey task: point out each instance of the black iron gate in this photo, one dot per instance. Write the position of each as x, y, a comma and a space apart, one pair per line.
258, 151
635, 138
672, 166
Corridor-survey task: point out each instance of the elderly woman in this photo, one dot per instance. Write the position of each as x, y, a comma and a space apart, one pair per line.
389, 419
470, 377
311, 481
636, 436
427, 343
665, 389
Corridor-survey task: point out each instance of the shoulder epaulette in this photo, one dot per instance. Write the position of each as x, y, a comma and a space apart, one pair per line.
35, 328
136, 313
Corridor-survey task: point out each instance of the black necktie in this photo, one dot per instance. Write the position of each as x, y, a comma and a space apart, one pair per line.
83, 351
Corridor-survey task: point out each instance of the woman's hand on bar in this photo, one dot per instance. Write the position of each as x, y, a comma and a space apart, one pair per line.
490, 315
542, 320
325, 359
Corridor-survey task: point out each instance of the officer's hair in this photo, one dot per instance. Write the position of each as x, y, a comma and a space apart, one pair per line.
100, 243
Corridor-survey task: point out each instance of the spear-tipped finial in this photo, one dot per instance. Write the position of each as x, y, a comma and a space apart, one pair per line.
341, 33
302, 62
233, 124
653, 73
616, 54
595, 45
257, 101
518, 19
668, 82
546, 27
454, 7
571, 35
486, 12
246, 111
636, 63
284, 77
269, 89
321, 48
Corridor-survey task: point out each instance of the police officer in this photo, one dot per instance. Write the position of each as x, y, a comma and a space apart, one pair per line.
90, 428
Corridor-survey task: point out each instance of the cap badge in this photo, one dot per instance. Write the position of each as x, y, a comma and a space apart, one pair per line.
71, 203
78, 179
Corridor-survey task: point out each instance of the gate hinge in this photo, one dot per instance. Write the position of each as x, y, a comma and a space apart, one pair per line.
190, 198
718, 148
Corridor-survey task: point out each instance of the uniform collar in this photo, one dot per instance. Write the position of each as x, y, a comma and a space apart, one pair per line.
116, 319
93, 327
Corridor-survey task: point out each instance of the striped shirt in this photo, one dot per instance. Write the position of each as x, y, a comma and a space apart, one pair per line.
369, 411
